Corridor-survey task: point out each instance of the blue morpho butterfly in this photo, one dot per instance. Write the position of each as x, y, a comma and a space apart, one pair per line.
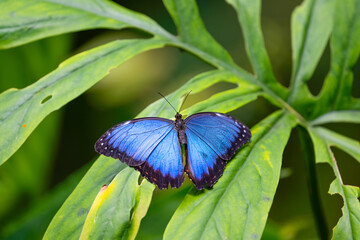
152, 146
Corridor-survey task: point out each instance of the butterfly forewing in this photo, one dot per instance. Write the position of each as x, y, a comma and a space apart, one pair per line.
150, 145
212, 139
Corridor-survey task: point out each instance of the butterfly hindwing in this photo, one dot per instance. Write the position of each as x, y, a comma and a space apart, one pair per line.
150, 145
212, 139
164, 165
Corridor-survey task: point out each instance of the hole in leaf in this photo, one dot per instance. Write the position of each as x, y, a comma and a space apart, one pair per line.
131, 213
140, 180
316, 81
351, 130
46, 99
348, 167
325, 176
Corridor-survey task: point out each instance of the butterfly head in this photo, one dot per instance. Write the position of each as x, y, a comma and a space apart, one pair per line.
178, 116
179, 122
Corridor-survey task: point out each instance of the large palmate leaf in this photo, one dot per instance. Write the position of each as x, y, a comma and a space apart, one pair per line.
127, 216
238, 205
22, 110
232, 209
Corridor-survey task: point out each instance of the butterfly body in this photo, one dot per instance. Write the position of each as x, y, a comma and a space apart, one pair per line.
180, 128
153, 147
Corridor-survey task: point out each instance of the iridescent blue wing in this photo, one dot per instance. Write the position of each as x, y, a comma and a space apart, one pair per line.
150, 145
212, 139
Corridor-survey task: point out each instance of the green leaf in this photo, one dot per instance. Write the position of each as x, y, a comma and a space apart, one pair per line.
189, 24
139, 196
311, 25
19, 177
28, 20
110, 213
22, 110
345, 50
349, 116
348, 226
68, 221
346, 144
237, 207
248, 12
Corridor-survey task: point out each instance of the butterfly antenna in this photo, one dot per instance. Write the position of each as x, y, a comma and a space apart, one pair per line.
167, 101
184, 100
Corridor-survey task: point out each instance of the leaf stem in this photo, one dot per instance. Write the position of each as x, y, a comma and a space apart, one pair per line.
315, 200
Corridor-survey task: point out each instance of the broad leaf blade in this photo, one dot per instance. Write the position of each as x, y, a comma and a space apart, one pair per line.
311, 25
238, 205
345, 50
23, 21
68, 221
111, 210
22, 110
248, 12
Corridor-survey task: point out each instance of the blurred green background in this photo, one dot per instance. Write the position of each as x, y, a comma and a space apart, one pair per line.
39, 177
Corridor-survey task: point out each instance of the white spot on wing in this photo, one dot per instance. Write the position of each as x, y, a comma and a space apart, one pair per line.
125, 123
